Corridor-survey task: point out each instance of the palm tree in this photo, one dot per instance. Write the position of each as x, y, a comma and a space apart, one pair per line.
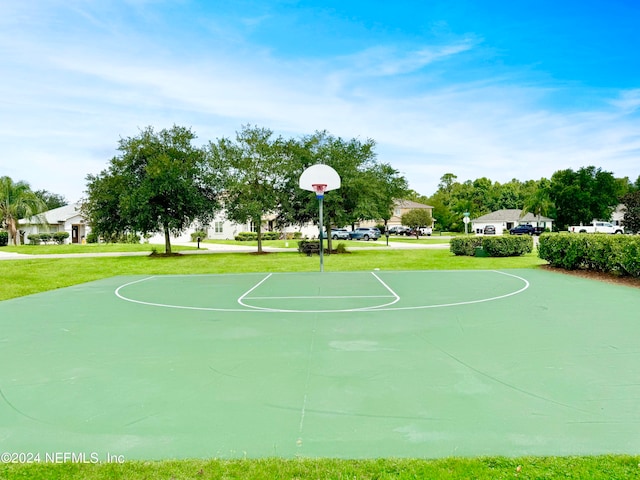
539, 203
17, 201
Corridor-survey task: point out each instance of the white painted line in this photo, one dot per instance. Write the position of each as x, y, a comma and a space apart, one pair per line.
381, 308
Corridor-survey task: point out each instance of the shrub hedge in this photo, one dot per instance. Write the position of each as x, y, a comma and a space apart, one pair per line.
465, 245
60, 237
499, 246
253, 236
617, 254
4, 238
507, 246
38, 238
122, 238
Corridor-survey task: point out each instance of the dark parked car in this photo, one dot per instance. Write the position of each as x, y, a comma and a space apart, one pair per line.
365, 233
489, 230
522, 230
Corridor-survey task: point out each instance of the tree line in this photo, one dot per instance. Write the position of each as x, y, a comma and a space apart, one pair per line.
569, 197
161, 182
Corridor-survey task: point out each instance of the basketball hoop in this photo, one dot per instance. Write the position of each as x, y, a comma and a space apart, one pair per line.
319, 178
319, 188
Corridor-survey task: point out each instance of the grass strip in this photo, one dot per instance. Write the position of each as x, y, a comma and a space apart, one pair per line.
90, 248
29, 276
596, 467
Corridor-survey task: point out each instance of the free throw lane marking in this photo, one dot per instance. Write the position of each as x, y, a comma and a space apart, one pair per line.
393, 295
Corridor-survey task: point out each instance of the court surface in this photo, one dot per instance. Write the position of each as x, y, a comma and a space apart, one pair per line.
351, 365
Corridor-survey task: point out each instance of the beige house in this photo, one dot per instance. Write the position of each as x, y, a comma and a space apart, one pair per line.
403, 206
400, 207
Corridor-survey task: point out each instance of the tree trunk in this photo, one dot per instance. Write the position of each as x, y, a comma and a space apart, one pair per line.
13, 231
259, 232
167, 241
329, 239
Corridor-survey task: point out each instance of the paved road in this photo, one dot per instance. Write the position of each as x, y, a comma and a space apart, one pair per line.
207, 248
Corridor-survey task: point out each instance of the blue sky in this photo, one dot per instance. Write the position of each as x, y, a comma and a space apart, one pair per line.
475, 88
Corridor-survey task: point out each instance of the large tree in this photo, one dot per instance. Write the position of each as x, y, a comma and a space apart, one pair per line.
17, 201
387, 186
52, 200
159, 183
368, 188
584, 195
254, 170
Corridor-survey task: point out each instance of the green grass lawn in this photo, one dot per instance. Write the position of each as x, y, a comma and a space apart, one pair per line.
24, 277
426, 240
293, 244
89, 248
598, 467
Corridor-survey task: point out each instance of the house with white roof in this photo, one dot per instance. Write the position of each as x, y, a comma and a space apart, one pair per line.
63, 219
503, 220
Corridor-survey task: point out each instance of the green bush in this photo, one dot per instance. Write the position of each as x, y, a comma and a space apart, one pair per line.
246, 237
499, 246
34, 238
465, 245
627, 255
618, 254
60, 237
561, 250
198, 233
507, 246
253, 236
45, 237
4, 238
92, 237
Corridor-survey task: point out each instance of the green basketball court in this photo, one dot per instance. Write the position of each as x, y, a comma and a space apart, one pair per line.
351, 365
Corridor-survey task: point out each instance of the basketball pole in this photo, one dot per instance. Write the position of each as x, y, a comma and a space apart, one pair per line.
320, 178
320, 198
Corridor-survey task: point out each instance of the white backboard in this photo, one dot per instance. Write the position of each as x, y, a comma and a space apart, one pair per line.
319, 174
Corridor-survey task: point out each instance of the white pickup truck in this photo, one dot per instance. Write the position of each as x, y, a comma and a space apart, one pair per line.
597, 227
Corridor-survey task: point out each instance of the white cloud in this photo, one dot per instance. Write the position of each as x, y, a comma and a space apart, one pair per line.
628, 101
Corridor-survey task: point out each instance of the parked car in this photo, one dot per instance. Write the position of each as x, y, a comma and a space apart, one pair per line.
365, 233
489, 230
398, 230
340, 234
413, 232
597, 227
522, 230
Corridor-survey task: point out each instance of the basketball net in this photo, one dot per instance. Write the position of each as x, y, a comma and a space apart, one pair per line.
319, 189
